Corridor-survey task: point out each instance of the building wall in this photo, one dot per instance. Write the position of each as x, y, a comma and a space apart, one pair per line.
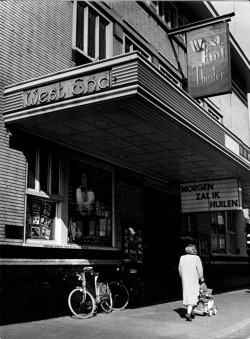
46, 35
152, 35
235, 115
38, 44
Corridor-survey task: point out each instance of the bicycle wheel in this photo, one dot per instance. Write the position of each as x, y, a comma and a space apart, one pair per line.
136, 292
81, 304
106, 302
120, 295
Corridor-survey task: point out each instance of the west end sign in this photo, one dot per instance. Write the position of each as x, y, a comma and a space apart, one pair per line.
208, 54
66, 89
205, 196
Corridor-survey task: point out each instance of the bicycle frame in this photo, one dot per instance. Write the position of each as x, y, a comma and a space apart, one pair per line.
130, 278
126, 273
86, 286
83, 300
83, 286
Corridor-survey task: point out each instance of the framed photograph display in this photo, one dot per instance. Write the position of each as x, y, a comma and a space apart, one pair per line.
40, 217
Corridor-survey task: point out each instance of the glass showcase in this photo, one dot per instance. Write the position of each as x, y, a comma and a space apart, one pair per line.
89, 204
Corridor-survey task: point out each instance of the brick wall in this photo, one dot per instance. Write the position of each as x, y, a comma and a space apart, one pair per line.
129, 203
151, 32
117, 47
38, 44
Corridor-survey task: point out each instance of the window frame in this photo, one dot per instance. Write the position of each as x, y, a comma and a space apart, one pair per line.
37, 189
132, 45
154, 5
37, 193
211, 109
173, 17
167, 15
169, 75
109, 33
230, 230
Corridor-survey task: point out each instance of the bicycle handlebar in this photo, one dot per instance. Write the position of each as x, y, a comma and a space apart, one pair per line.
88, 268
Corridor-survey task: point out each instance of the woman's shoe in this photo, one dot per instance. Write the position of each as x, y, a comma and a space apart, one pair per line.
188, 317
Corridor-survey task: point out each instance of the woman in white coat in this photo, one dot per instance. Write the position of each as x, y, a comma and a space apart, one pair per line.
191, 271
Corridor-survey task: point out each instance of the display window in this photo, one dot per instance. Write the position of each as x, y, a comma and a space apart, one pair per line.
89, 204
223, 232
42, 194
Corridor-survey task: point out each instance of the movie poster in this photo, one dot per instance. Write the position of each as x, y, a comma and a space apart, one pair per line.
39, 219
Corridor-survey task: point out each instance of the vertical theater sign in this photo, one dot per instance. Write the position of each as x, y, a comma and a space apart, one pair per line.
208, 56
209, 61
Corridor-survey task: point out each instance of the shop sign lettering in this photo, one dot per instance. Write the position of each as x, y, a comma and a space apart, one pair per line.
208, 61
66, 89
214, 195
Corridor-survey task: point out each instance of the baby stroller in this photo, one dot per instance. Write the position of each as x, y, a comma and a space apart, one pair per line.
205, 304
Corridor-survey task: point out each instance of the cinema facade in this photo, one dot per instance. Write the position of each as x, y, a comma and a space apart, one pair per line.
162, 168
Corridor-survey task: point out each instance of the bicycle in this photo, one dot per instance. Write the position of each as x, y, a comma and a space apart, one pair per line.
128, 290
83, 300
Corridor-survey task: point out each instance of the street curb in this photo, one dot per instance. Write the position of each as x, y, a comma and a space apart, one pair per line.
233, 329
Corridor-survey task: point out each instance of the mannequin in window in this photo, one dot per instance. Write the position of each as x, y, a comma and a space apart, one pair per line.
85, 199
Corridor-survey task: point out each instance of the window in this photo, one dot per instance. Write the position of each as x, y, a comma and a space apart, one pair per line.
231, 233
169, 75
212, 109
168, 12
239, 90
215, 115
130, 46
92, 33
244, 153
182, 21
90, 205
42, 193
172, 16
43, 171
241, 151
223, 232
154, 5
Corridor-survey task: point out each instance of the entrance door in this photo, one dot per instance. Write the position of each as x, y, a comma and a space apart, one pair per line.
162, 248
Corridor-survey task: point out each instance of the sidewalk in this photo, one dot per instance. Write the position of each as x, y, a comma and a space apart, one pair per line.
166, 320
